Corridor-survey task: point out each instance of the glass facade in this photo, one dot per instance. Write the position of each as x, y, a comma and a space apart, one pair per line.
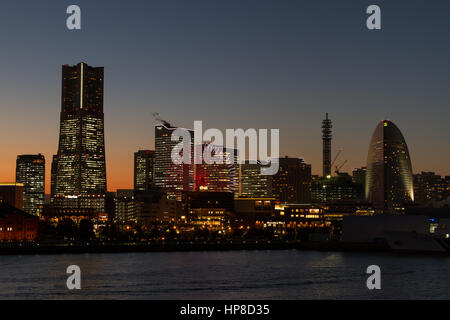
218, 177
30, 171
253, 184
79, 169
144, 163
171, 178
389, 179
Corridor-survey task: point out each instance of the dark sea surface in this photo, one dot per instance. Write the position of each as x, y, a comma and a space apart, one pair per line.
279, 275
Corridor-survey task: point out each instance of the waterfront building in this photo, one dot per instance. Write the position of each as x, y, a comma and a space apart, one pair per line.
17, 225
153, 208
145, 208
300, 219
209, 210
389, 180
53, 214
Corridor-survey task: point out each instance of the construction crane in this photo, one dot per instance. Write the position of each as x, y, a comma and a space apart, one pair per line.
337, 156
339, 167
159, 119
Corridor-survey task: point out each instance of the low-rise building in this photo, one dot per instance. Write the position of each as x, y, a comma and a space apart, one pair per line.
17, 225
54, 214
250, 210
210, 210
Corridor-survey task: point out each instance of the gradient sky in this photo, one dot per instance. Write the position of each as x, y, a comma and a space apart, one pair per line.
247, 63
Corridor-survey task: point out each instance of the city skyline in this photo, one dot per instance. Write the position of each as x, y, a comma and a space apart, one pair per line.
236, 154
316, 168
407, 89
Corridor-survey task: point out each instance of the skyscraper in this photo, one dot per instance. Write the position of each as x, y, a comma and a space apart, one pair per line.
30, 171
80, 169
326, 137
218, 177
144, 163
170, 177
389, 179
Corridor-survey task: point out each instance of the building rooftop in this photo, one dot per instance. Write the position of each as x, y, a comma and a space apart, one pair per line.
7, 210
10, 184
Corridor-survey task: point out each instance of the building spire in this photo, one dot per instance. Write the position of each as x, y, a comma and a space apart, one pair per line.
326, 137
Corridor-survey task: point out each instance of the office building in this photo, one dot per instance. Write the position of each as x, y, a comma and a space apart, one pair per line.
359, 176
171, 178
429, 188
30, 171
252, 183
125, 206
209, 210
217, 177
334, 188
292, 183
144, 163
79, 169
389, 179
12, 194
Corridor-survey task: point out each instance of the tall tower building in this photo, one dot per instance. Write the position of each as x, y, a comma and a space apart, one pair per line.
218, 177
30, 171
170, 177
80, 169
326, 137
144, 163
389, 179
